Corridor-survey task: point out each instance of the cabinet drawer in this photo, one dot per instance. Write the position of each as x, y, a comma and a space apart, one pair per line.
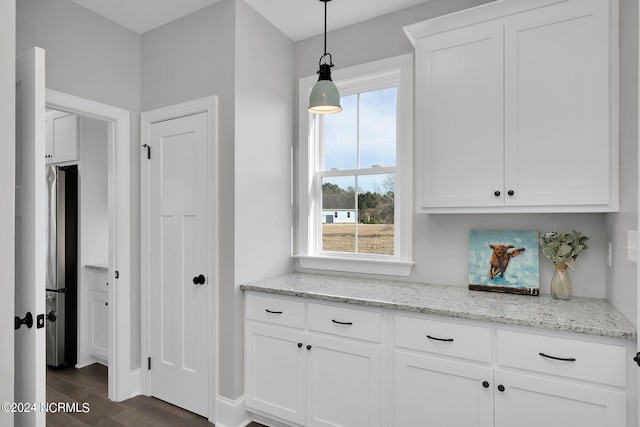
450, 339
598, 362
279, 311
345, 321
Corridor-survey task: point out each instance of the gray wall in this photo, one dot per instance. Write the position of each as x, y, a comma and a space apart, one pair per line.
441, 241
93, 58
7, 192
264, 126
228, 50
187, 59
622, 277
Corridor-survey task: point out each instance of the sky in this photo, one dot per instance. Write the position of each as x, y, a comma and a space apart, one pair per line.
371, 118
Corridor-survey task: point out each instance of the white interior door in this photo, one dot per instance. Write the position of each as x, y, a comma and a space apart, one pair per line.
179, 290
30, 374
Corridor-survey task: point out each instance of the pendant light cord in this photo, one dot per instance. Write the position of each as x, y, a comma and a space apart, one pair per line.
325, 37
325, 27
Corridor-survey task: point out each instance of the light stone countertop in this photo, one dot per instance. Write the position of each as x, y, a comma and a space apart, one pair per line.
581, 315
97, 267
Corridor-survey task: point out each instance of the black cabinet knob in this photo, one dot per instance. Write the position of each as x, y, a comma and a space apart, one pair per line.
485, 384
496, 193
309, 347
299, 345
511, 192
501, 387
199, 280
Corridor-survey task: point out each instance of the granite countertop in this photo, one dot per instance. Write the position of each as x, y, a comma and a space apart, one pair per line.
97, 267
581, 315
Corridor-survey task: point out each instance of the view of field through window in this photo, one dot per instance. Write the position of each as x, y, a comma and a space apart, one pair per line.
358, 183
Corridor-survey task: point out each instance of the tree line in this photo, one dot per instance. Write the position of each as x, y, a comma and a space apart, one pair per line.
375, 207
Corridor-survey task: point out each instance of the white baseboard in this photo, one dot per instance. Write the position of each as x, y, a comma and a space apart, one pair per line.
231, 413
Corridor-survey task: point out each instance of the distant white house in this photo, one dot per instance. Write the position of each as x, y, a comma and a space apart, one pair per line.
338, 216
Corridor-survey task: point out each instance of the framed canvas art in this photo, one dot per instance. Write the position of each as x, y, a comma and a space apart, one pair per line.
504, 261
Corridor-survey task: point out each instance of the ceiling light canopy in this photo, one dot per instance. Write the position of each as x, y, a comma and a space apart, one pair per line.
324, 97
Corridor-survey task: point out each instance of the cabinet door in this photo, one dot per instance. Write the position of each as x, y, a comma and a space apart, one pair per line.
557, 136
529, 401
275, 371
436, 392
459, 118
344, 383
62, 138
99, 319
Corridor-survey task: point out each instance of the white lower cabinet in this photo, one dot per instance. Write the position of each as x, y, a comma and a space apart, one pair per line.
432, 391
275, 371
530, 380
98, 292
343, 383
99, 324
330, 364
312, 364
530, 401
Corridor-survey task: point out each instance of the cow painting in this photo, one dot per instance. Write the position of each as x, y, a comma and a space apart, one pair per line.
500, 258
491, 267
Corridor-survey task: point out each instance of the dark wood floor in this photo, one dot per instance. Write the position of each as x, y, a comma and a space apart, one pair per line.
89, 385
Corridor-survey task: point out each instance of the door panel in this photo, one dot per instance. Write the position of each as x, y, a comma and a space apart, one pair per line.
30, 344
178, 229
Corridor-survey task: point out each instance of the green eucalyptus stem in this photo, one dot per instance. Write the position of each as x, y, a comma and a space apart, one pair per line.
563, 248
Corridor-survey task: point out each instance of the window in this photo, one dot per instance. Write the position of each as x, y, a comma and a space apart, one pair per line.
357, 164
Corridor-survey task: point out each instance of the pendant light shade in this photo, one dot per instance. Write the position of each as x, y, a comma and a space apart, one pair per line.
324, 97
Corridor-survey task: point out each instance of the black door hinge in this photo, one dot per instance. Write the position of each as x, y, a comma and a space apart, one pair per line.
149, 363
148, 147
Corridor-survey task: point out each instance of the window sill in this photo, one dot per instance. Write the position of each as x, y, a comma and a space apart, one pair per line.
356, 265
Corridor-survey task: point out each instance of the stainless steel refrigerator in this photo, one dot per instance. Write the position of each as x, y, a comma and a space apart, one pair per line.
62, 265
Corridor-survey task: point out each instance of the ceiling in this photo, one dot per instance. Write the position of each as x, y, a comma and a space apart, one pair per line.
298, 19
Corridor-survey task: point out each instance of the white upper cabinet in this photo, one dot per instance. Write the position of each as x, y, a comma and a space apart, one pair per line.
516, 108
61, 142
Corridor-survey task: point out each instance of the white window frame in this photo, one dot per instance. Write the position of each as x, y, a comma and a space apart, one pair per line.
396, 71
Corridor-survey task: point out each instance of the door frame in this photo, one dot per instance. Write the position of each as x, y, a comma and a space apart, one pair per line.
208, 105
121, 384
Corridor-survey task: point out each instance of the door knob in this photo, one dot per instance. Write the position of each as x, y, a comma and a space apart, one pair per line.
28, 320
199, 280
52, 316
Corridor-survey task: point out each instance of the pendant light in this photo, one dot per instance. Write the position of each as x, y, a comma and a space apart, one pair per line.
325, 98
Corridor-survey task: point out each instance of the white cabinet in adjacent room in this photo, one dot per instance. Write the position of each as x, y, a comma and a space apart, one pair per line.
516, 108
61, 137
98, 313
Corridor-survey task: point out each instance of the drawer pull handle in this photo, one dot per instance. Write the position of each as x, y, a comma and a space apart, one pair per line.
273, 312
341, 323
440, 339
564, 359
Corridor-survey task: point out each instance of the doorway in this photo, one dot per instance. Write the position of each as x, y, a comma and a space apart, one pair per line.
117, 121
